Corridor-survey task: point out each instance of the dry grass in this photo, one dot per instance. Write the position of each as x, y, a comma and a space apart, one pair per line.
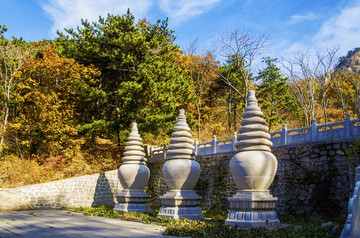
16, 172
91, 158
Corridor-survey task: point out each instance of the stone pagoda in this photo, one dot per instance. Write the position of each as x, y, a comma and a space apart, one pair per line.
181, 174
253, 169
133, 175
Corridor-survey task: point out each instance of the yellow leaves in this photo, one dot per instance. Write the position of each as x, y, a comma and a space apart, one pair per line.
46, 97
217, 128
337, 114
51, 69
346, 89
16, 74
349, 83
14, 125
195, 63
19, 172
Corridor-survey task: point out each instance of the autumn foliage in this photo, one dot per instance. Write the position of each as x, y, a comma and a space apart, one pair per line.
67, 104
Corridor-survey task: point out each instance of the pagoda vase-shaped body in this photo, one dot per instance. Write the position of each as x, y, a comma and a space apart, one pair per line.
253, 169
254, 166
181, 173
133, 175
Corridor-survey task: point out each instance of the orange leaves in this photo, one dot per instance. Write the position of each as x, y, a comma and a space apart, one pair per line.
197, 64
47, 97
346, 90
202, 70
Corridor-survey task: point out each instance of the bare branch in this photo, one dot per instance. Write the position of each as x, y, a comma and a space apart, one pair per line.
310, 76
192, 47
240, 48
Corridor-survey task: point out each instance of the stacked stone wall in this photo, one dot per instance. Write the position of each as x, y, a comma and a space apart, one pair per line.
86, 191
156, 186
311, 179
215, 184
315, 179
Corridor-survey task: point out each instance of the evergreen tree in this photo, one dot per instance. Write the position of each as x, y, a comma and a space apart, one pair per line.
275, 100
235, 87
139, 80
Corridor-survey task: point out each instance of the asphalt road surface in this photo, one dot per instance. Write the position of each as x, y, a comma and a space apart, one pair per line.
64, 223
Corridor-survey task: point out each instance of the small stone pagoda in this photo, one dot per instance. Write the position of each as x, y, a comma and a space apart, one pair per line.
133, 175
181, 174
253, 169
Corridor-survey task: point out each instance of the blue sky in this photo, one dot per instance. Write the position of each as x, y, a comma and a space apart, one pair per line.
292, 25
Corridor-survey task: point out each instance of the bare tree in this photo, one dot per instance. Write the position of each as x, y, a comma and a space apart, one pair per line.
310, 78
192, 48
239, 49
327, 60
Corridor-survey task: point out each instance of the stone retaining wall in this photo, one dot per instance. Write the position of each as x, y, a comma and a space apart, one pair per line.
315, 179
86, 191
311, 179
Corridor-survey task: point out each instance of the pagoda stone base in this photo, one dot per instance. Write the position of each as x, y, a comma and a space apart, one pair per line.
132, 207
178, 204
132, 200
251, 208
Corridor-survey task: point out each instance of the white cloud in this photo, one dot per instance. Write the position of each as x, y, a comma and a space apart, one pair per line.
342, 29
179, 11
68, 13
301, 18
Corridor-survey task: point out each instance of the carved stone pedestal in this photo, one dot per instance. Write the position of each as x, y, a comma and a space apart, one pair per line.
178, 204
132, 200
253, 169
252, 209
133, 176
181, 173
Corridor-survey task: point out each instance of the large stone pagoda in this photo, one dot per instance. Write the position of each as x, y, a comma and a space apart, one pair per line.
133, 175
181, 174
253, 169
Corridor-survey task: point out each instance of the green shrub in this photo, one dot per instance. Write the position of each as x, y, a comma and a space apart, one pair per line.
309, 226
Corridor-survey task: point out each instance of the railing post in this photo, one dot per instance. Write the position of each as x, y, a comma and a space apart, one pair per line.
196, 145
214, 144
347, 126
234, 142
164, 151
147, 150
284, 135
313, 130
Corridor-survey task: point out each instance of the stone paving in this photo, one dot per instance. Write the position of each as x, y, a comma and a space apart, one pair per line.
64, 223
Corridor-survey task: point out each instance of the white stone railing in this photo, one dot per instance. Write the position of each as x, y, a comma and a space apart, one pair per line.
339, 131
352, 224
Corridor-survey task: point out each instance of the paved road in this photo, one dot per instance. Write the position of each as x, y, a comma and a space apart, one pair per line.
63, 223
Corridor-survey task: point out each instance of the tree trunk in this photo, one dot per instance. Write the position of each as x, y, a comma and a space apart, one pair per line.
3, 129
118, 138
197, 103
235, 114
229, 108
